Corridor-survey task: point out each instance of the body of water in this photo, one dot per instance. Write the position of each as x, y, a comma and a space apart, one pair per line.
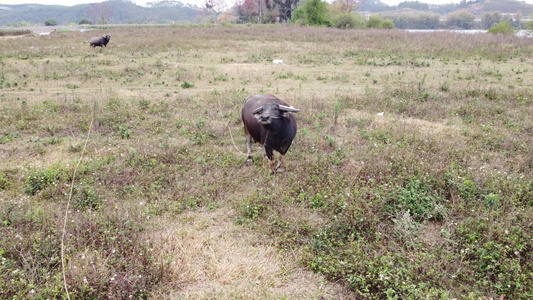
519, 33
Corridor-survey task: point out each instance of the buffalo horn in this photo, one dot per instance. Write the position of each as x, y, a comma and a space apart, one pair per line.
257, 110
288, 108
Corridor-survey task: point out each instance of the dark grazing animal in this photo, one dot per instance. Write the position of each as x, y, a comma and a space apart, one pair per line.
270, 122
100, 41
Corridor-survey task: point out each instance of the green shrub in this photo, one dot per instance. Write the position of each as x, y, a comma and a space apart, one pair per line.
85, 197
503, 27
50, 22
40, 180
419, 198
4, 181
528, 25
253, 207
374, 21
72, 86
187, 85
85, 21
311, 12
349, 21
377, 21
124, 132
387, 24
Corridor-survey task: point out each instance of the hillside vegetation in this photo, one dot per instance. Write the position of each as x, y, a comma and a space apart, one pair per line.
505, 6
408, 14
114, 11
410, 176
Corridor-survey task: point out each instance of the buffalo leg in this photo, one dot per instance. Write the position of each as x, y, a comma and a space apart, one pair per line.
270, 155
249, 148
278, 168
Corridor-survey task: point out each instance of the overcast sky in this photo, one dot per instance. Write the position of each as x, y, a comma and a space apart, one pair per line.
197, 2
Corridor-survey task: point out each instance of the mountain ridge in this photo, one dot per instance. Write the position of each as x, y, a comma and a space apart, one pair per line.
175, 11
118, 11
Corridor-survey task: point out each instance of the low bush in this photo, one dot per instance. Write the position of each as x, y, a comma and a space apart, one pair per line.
504, 27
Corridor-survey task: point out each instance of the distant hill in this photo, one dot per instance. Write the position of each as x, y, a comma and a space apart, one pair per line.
507, 6
119, 11
476, 7
502, 6
404, 12
417, 15
171, 11
373, 5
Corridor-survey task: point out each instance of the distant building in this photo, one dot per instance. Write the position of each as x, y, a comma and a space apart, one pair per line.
365, 14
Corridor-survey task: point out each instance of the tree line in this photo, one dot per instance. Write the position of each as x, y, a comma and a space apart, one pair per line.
457, 20
339, 13
345, 14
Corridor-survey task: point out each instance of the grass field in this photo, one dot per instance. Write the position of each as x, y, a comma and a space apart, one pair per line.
410, 176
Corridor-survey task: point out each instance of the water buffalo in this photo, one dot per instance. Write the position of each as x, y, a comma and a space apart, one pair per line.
270, 122
100, 41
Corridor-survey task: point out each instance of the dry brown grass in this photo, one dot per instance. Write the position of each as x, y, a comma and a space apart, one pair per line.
215, 259
162, 178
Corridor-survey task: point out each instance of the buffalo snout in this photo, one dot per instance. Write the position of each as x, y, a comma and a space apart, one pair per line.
264, 119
